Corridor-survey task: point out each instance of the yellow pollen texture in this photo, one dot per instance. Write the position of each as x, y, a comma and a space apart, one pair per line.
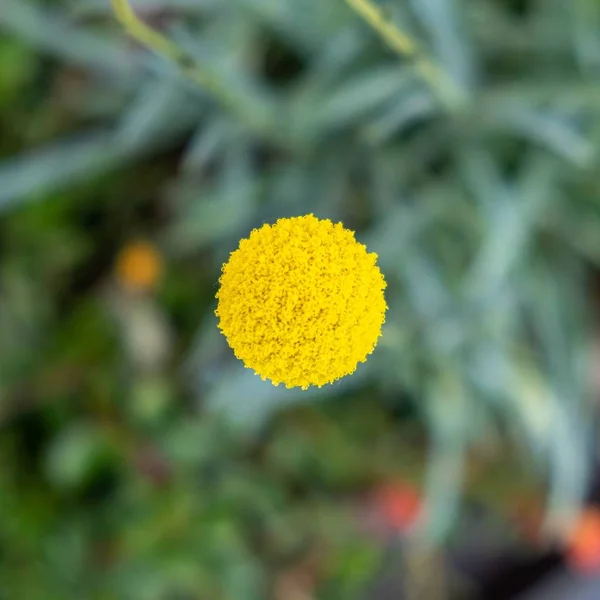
301, 302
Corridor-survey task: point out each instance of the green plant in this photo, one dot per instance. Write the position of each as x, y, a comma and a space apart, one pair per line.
459, 139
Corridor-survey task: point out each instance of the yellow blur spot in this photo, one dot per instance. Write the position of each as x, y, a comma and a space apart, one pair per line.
139, 266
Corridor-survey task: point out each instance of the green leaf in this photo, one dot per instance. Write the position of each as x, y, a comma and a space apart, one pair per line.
75, 454
52, 33
450, 37
60, 164
362, 95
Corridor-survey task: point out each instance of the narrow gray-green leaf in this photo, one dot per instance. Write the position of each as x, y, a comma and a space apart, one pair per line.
51, 33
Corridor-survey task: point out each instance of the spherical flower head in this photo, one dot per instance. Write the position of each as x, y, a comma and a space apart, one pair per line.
301, 302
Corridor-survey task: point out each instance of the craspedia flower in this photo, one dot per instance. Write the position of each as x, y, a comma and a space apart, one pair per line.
301, 302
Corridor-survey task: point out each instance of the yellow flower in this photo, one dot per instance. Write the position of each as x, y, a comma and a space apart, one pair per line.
301, 302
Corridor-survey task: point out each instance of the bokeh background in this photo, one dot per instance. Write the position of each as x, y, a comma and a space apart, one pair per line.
460, 140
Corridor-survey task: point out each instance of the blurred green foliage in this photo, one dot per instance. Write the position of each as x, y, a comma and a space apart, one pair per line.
138, 459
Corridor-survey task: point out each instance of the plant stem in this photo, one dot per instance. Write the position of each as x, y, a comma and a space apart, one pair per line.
147, 36
396, 39
446, 89
163, 46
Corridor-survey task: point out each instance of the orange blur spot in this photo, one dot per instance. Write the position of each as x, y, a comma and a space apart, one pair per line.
139, 266
399, 504
583, 545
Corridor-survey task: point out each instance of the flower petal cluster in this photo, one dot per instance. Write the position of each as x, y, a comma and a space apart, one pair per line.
301, 302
